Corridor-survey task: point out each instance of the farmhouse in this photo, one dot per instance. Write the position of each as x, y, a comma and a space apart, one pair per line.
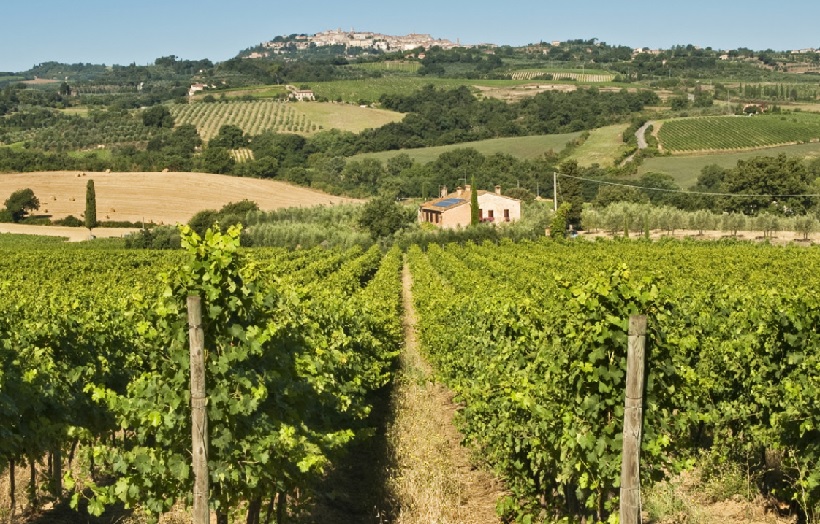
304, 94
453, 210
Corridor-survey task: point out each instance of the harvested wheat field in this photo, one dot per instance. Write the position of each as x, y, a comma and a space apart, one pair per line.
166, 198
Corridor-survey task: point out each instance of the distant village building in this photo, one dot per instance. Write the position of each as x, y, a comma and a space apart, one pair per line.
453, 210
196, 88
300, 94
365, 40
304, 94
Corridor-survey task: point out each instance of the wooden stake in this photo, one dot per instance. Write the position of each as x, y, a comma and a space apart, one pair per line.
57, 472
12, 487
633, 420
199, 415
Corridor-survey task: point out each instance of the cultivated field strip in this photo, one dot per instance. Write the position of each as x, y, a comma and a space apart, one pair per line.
578, 77
736, 132
253, 117
94, 346
532, 338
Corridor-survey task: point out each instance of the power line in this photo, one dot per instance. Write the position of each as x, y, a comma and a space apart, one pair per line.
683, 191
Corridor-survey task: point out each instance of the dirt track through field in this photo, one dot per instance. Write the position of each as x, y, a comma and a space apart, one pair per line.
434, 480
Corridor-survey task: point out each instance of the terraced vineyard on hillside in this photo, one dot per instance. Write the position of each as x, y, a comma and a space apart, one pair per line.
253, 117
736, 132
579, 77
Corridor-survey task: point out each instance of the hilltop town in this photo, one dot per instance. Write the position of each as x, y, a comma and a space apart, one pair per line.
350, 40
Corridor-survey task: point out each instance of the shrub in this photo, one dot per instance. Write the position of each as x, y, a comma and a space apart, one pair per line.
70, 221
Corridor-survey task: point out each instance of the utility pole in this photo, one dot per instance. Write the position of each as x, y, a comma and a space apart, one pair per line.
555, 191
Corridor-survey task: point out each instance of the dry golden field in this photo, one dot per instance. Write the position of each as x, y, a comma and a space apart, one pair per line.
165, 198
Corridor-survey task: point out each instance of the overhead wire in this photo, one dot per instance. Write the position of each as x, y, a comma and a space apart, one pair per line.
686, 192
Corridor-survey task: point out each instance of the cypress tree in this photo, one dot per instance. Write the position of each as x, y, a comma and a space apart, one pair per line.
473, 203
90, 205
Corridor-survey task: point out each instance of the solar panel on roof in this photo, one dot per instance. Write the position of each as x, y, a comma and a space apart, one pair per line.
450, 202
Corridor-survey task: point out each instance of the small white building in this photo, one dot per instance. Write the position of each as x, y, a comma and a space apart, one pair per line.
303, 94
196, 88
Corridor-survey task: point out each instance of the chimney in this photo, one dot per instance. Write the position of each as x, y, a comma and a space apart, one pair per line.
443, 191
497, 190
459, 191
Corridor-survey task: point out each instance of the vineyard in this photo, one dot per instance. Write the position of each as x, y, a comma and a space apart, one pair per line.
589, 78
391, 66
531, 338
253, 117
734, 132
95, 368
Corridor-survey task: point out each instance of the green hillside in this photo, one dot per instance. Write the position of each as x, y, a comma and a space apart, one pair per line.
685, 169
521, 147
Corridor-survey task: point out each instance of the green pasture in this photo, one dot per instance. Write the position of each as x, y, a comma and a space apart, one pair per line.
102, 154
738, 132
75, 111
686, 169
347, 117
527, 147
601, 147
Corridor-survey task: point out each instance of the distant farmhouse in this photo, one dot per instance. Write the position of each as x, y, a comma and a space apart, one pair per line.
300, 94
453, 210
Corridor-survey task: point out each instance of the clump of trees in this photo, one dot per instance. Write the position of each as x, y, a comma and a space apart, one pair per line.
19, 204
382, 217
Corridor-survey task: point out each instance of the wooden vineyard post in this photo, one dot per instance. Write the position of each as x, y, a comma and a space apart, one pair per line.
633, 420
199, 415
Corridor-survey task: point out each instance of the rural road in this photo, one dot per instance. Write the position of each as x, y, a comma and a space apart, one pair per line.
640, 134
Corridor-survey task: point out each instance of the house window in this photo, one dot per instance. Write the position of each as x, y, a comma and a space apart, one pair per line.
480, 214
506, 215
490, 214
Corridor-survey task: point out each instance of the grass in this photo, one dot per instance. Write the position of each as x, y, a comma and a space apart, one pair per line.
75, 111
431, 480
601, 147
347, 117
102, 154
522, 147
686, 169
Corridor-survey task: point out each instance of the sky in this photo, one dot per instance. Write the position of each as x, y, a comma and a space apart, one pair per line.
120, 32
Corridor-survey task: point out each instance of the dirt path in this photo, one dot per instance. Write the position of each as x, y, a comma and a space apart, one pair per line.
433, 480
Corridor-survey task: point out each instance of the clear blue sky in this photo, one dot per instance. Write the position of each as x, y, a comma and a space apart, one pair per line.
119, 32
